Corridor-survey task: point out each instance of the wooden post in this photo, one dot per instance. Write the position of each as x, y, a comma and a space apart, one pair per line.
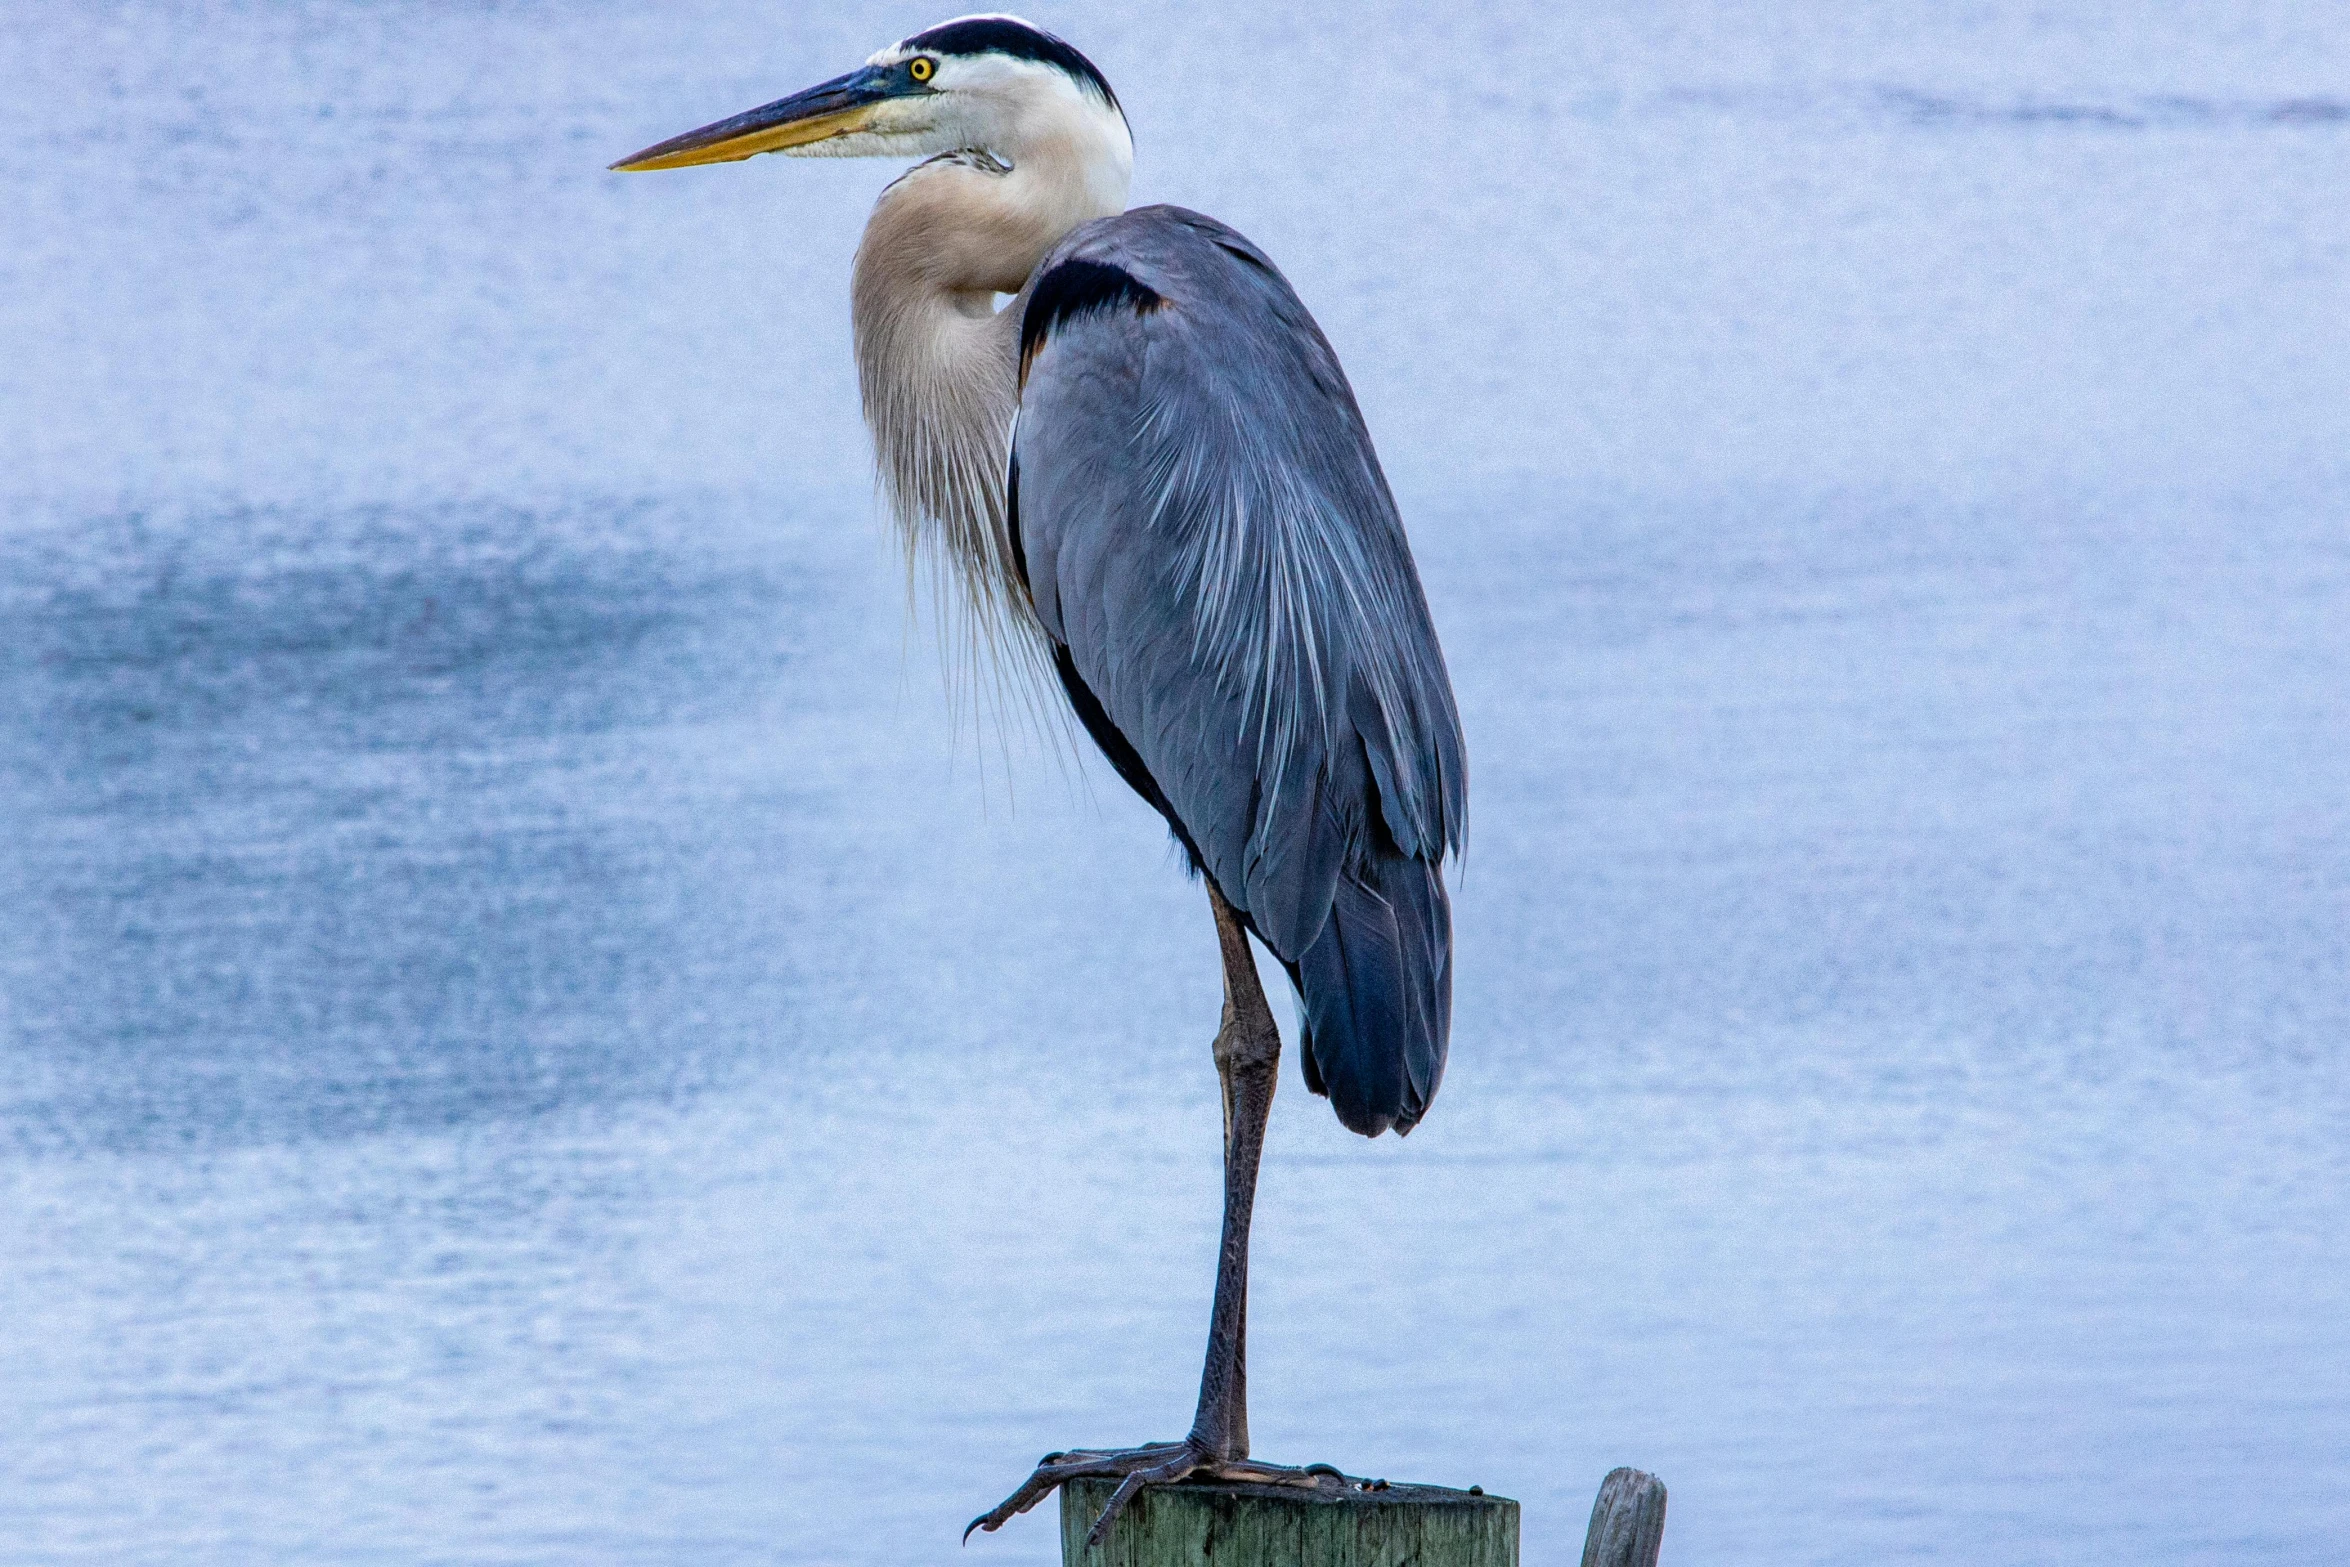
1627, 1522
1211, 1525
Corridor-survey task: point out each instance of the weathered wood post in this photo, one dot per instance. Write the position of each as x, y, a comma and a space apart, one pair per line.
1627, 1522
1344, 1524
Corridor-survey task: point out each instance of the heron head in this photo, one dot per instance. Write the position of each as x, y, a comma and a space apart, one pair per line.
991, 84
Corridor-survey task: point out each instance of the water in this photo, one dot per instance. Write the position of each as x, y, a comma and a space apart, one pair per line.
534, 1032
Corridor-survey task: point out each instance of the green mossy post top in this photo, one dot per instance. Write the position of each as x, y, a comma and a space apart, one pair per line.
1213, 1525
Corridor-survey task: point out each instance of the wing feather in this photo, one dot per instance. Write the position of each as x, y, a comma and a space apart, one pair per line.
1209, 538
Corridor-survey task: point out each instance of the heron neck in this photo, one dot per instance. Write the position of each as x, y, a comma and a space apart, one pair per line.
936, 361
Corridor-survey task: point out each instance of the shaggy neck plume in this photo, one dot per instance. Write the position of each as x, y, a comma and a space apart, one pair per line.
937, 363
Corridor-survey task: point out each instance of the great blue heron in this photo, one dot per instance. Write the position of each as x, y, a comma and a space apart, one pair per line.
1149, 472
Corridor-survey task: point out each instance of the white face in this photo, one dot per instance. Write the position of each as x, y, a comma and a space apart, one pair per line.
989, 103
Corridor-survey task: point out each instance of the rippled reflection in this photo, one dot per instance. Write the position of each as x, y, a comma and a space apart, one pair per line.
363, 823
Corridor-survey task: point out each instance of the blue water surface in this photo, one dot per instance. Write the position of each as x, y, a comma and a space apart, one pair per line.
537, 1027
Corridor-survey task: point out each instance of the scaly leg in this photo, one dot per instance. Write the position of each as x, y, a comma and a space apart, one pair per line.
1248, 1056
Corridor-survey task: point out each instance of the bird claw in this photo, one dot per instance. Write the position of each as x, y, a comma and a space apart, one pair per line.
1057, 1469
1161, 1463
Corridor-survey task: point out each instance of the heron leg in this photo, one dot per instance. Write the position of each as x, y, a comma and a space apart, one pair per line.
1248, 1058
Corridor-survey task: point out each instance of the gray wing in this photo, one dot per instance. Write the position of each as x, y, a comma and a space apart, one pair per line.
1211, 546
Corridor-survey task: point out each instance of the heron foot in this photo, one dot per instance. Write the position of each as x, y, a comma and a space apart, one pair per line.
1158, 1463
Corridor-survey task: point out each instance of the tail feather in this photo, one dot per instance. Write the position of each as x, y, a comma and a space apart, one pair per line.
1377, 987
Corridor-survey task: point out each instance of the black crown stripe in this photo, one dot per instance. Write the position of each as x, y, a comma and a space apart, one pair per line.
1002, 35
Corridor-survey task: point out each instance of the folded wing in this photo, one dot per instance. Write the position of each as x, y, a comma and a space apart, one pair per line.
1213, 550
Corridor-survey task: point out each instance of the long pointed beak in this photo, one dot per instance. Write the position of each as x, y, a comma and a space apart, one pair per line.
836, 108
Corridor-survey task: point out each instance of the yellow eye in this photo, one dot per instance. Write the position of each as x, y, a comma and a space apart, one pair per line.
922, 68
